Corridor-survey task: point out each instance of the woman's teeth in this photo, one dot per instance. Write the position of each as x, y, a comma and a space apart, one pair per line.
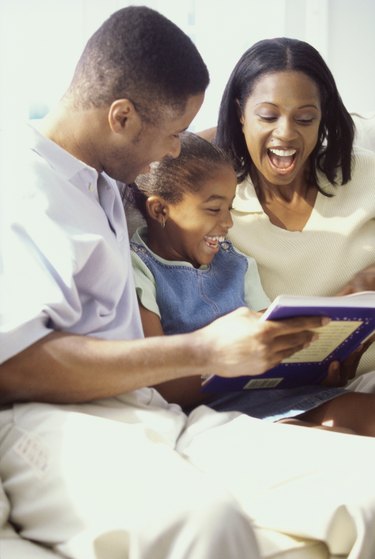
282, 152
281, 158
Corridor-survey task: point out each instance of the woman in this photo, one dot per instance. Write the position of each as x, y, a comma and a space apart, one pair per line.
305, 203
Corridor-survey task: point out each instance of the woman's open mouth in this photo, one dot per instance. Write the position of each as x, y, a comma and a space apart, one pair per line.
282, 160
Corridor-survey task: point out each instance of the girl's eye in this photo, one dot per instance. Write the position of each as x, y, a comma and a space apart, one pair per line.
213, 210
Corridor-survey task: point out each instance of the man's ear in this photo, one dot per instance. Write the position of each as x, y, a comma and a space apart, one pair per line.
123, 117
157, 209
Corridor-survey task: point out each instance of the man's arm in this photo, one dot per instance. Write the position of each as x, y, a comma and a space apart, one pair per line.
69, 368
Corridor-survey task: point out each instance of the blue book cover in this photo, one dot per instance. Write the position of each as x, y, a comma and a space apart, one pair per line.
352, 322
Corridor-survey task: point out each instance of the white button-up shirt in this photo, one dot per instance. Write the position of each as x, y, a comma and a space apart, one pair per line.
64, 250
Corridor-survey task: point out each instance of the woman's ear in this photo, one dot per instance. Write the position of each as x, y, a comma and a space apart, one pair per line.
239, 112
157, 209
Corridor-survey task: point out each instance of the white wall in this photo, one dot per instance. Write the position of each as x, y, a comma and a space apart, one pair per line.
40, 42
351, 51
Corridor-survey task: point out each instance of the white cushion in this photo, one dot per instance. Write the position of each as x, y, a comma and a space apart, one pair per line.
275, 545
365, 130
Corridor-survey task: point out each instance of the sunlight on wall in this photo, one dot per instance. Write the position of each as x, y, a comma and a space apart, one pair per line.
41, 40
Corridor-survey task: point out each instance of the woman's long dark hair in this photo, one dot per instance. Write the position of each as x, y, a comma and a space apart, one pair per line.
332, 154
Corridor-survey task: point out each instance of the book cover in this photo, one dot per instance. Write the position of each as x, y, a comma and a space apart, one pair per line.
352, 322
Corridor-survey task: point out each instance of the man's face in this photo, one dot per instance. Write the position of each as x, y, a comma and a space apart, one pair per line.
130, 156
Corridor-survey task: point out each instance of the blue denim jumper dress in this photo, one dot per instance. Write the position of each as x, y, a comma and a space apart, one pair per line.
190, 298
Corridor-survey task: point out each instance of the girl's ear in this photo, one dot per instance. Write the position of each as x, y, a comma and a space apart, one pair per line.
157, 209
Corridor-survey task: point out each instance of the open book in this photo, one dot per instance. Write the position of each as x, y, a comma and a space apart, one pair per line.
352, 322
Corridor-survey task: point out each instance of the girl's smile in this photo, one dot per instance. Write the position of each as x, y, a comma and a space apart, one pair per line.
213, 242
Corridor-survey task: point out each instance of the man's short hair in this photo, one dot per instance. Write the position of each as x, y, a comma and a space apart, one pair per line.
140, 55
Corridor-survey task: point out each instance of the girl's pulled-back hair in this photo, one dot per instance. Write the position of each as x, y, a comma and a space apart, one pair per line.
172, 177
333, 151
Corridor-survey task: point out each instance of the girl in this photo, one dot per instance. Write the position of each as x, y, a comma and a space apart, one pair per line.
187, 274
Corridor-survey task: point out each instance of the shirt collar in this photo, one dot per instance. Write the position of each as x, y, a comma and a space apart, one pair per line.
64, 163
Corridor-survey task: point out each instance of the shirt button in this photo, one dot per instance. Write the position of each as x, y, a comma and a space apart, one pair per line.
91, 187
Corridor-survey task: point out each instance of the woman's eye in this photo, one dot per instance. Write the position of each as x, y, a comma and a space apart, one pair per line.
305, 120
213, 210
267, 118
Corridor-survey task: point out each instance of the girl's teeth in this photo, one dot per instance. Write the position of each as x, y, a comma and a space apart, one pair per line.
216, 239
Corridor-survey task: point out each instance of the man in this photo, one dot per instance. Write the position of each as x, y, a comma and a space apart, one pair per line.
91, 458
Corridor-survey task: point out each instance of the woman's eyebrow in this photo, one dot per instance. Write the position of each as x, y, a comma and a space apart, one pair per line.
306, 106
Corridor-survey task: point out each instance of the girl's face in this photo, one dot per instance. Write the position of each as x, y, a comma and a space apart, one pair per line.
280, 124
195, 226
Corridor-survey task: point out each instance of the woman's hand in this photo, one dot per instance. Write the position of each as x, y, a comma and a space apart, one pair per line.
339, 373
363, 281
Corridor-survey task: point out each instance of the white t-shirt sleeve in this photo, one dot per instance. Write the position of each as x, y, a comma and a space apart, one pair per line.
255, 296
144, 284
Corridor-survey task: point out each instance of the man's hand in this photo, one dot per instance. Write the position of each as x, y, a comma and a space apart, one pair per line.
244, 345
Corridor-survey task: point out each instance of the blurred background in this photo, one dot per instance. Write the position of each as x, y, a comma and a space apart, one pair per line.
41, 40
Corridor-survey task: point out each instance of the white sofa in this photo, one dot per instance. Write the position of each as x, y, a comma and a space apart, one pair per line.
273, 545
365, 129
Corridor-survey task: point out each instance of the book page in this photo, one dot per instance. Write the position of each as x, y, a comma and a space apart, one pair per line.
330, 336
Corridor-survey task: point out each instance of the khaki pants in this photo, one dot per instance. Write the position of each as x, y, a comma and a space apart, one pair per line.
134, 477
96, 482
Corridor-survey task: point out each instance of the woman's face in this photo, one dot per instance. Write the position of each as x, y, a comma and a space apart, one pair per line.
280, 123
